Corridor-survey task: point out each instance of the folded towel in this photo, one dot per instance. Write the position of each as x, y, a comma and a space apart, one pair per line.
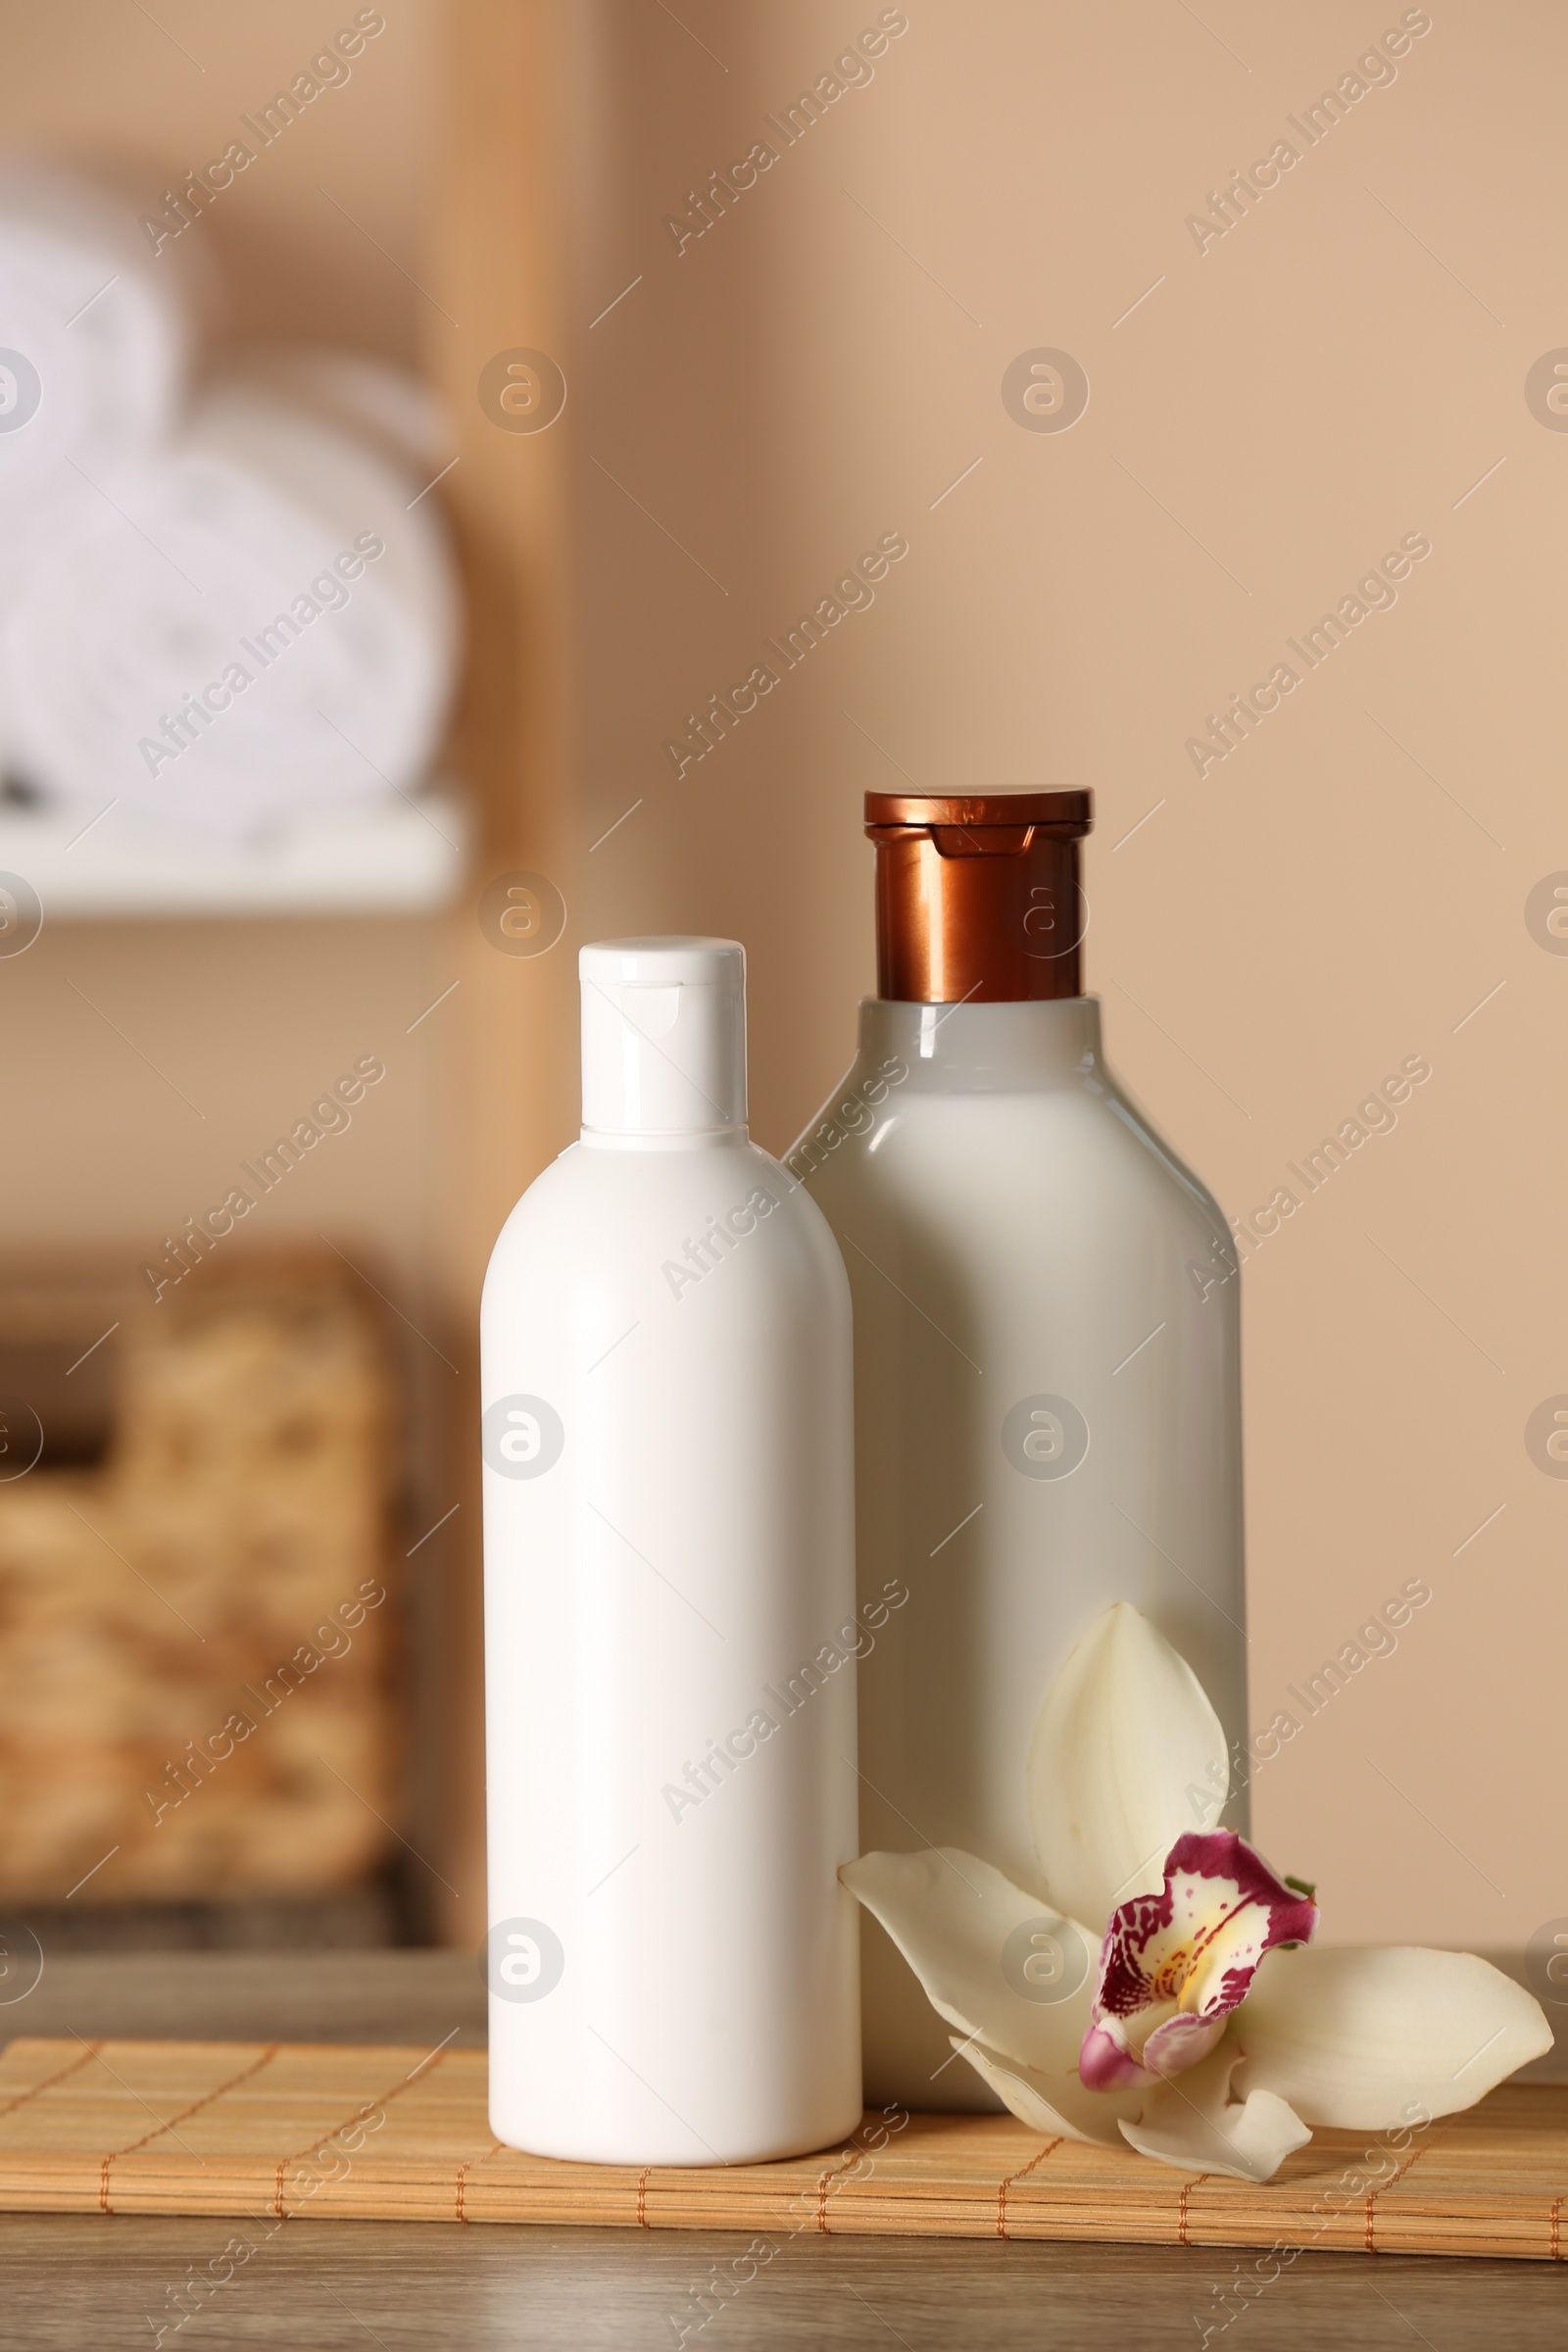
95, 343
265, 621
374, 402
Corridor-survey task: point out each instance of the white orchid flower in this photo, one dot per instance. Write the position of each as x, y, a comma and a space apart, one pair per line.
1155, 1989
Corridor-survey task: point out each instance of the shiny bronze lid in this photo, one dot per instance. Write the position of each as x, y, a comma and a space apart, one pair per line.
978, 899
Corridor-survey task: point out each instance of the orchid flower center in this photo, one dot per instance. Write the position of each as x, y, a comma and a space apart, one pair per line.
1174, 1966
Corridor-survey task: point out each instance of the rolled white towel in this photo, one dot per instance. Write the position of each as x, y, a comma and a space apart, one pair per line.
406, 419
267, 626
96, 334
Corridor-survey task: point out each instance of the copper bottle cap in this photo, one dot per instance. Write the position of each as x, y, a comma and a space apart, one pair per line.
978, 899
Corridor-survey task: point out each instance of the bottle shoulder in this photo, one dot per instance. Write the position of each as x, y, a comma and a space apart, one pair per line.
885, 1132
594, 1215
1172, 1168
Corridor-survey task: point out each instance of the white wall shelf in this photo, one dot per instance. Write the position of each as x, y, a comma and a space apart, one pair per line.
404, 856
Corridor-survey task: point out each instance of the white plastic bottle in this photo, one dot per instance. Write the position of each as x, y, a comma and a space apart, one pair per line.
1047, 1357
670, 1626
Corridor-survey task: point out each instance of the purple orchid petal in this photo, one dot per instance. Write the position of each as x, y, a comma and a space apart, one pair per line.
1174, 1965
1103, 2065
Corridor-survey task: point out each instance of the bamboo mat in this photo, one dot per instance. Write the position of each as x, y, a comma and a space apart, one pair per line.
276, 2130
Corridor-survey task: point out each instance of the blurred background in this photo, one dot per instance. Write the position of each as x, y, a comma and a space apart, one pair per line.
524, 372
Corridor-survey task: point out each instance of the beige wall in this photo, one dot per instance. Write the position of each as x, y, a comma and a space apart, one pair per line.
1334, 373
1337, 895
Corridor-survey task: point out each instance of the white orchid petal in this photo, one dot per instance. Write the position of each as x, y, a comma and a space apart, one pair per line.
995, 1961
1126, 1754
1058, 2104
1195, 2124
1370, 2040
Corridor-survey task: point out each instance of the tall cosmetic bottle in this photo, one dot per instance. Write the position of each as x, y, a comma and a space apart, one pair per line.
670, 1622
1045, 1343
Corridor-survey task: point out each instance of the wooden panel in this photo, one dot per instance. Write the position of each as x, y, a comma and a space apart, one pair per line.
281, 2129
496, 238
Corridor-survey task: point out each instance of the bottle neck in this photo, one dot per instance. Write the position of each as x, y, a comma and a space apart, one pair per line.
981, 1049
985, 914
684, 1138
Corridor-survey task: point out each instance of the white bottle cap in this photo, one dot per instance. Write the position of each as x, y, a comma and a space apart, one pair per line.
664, 1037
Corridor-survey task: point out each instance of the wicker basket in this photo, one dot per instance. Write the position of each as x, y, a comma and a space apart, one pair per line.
195, 1634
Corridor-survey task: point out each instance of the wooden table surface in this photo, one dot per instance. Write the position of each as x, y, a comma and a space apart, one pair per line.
97, 2283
